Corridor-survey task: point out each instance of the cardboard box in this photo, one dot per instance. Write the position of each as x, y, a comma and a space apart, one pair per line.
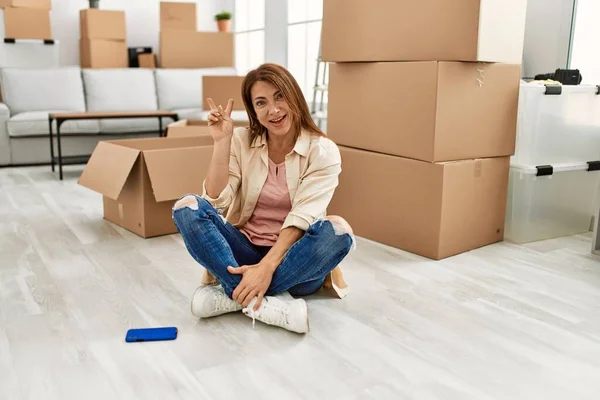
147, 60
102, 24
221, 89
178, 16
27, 23
141, 179
433, 30
434, 210
194, 127
431, 111
187, 49
102, 53
40, 4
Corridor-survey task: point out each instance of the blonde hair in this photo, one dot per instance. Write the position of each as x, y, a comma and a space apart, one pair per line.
283, 80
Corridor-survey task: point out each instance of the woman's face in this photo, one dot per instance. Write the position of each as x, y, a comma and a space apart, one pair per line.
271, 109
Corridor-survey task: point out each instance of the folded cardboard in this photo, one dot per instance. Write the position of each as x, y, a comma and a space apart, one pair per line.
27, 23
437, 30
103, 53
431, 111
432, 209
178, 16
102, 24
147, 60
140, 179
187, 49
194, 127
40, 4
221, 89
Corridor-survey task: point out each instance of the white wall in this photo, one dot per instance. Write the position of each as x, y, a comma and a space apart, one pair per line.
142, 18
547, 36
585, 55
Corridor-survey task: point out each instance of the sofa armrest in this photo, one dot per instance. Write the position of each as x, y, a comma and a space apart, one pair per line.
4, 139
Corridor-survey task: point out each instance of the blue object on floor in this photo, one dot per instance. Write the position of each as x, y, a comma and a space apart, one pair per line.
151, 334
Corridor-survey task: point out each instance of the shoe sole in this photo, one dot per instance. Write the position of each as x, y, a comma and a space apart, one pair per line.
307, 319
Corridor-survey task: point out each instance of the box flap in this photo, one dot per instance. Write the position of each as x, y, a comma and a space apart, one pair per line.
108, 168
176, 172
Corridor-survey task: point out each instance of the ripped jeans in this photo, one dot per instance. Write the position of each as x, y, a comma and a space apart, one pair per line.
216, 244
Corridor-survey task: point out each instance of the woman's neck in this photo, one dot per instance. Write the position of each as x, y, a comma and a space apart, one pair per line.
280, 146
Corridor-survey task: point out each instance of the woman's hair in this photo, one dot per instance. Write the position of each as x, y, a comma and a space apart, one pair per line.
281, 78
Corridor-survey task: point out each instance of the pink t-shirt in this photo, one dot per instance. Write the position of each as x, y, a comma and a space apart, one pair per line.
271, 209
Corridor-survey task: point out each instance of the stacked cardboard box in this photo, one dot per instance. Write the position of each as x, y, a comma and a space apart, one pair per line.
432, 91
26, 19
182, 46
103, 39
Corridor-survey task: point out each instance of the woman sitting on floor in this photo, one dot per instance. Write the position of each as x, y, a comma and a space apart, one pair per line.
276, 179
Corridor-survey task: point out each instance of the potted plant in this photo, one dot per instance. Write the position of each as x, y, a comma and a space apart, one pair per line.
223, 21
94, 3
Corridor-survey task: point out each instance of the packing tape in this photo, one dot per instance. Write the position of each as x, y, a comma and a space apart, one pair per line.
477, 168
480, 77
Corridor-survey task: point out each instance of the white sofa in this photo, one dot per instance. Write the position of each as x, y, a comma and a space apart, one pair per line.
28, 95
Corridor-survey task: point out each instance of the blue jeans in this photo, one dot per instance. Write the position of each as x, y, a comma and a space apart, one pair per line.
216, 244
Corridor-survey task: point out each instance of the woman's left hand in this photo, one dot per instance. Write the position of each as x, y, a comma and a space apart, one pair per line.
255, 282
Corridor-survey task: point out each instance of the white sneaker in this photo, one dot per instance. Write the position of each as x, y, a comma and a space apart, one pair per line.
210, 301
279, 311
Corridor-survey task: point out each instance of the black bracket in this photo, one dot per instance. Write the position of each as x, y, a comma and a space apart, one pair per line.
598, 89
544, 170
553, 89
14, 41
593, 165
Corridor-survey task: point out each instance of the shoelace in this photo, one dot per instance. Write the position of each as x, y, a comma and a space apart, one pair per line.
275, 315
222, 302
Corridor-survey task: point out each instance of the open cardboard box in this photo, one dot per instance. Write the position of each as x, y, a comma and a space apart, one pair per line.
435, 210
194, 127
140, 179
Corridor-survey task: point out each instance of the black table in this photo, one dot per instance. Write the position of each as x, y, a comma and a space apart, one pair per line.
62, 117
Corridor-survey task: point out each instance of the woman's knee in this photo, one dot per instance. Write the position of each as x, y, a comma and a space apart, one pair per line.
192, 202
340, 225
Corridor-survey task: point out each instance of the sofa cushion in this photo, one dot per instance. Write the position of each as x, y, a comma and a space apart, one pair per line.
121, 89
35, 123
33, 89
182, 88
198, 113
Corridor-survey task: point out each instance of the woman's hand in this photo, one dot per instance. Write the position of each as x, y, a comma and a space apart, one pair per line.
255, 282
220, 124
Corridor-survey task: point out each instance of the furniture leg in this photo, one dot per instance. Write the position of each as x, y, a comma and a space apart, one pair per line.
51, 143
60, 169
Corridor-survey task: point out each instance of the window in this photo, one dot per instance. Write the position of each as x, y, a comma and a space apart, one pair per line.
584, 54
249, 34
304, 32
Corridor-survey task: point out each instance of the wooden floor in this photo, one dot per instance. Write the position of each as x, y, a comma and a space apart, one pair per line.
501, 322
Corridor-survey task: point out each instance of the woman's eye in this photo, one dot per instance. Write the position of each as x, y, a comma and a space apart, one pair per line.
279, 96
260, 103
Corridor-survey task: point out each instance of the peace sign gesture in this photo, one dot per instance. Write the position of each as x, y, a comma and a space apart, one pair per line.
220, 124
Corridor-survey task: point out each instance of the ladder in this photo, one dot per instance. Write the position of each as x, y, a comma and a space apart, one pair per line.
318, 111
